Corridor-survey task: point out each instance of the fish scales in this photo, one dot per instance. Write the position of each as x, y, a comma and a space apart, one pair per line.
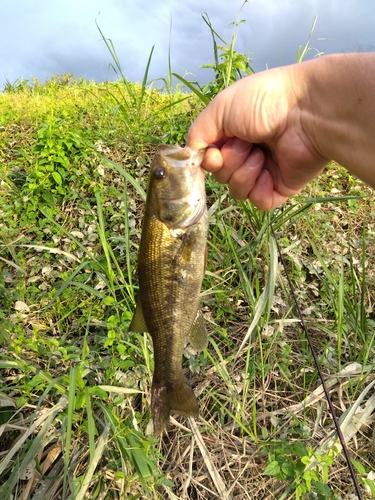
176, 282
171, 267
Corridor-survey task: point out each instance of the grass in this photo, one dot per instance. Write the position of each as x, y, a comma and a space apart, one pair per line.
75, 387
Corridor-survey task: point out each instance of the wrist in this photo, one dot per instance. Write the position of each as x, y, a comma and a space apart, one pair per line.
337, 102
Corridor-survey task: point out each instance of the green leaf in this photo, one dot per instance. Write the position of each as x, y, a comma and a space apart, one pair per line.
57, 178
300, 490
299, 449
371, 485
359, 467
80, 400
194, 89
322, 488
97, 391
272, 469
108, 301
287, 469
129, 445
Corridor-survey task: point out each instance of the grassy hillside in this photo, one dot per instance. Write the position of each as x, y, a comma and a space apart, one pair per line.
75, 387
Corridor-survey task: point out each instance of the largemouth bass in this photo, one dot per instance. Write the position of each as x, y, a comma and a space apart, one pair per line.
171, 266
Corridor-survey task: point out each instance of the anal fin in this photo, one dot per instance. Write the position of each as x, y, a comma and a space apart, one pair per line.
198, 333
138, 323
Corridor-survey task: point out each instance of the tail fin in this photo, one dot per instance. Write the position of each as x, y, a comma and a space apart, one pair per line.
179, 397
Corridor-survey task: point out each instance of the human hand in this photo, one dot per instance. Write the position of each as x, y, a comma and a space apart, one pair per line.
256, 139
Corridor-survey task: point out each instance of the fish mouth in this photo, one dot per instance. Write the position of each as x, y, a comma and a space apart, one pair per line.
179, 155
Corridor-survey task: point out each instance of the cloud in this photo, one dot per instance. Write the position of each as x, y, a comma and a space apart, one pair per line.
43, 37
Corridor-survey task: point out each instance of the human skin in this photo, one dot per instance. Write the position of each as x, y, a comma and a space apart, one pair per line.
271, 133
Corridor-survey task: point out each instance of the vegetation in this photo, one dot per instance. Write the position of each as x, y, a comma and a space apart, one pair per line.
75, 387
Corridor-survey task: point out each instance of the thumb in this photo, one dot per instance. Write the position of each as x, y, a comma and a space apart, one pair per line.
208, 126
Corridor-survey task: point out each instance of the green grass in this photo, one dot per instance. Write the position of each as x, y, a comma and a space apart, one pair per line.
75, 387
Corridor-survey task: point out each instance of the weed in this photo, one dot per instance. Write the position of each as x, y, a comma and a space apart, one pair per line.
59, 166
229, 65
75, 387
19, 85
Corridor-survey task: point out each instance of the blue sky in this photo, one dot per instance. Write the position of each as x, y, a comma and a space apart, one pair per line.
43, 37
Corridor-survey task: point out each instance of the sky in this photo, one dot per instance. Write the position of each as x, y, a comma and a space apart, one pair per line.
43, 37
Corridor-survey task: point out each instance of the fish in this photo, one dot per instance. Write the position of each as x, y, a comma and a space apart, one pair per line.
171, 265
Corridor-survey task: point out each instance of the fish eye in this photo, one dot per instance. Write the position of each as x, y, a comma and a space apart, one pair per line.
159, 173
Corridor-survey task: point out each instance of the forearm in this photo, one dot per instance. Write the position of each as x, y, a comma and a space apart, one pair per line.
337, 100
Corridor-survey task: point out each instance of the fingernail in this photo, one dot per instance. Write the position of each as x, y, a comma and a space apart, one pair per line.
239, 146
255, 158
263, 178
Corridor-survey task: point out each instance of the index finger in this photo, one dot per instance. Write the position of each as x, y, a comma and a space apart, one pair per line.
213, 159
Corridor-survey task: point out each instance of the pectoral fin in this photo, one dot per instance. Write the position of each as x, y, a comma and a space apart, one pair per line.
198, 333
138, 323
